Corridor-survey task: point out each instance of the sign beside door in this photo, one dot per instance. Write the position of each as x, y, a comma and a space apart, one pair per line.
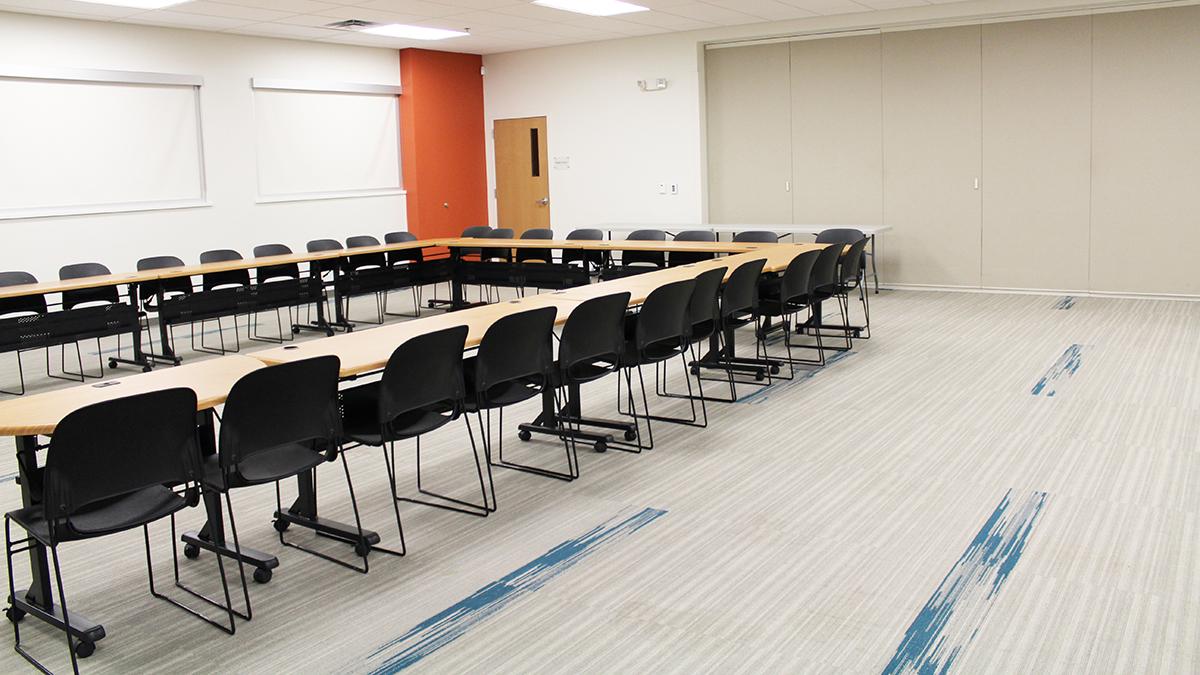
522, 168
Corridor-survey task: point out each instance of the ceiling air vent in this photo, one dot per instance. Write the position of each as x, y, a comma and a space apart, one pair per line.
350, 24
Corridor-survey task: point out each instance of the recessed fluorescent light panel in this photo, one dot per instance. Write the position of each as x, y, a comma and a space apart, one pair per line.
137, 4
593, 7
399, 30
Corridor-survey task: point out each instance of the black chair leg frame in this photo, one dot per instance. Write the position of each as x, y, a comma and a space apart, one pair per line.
222, 350
253, 334
631, 411
416, 293
723, 358
463, 506
81, 645
363, 545
81, 375
572, 458
20, 376
661, 372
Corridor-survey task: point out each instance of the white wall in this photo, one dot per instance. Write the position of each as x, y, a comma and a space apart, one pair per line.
226, 62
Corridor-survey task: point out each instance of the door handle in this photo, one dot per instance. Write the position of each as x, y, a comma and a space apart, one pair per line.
544, 201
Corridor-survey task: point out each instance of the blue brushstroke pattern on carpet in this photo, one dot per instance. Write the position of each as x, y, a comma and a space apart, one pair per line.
1062, 370
1066, 302
761, 394
953, 616
453, 622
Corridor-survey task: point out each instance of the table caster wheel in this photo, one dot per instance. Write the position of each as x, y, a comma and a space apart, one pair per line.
524, 435
191, 551
362, 549
262, 575
84, 648
630, 435
295, 330
774, 370
146, 369
759, 376
281, 525
14, 614
601, 446
112, 364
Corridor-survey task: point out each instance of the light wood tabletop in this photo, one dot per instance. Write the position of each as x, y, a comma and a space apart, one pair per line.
43, 287
608, 245
365, 351
41, 413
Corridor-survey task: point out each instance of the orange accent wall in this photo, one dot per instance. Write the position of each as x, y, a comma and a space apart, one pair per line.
442, 141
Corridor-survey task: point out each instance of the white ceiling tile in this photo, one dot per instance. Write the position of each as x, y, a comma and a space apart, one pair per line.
493, 19
419, 7
829, 6
86, 9
288, 6
892, 4
282, 30
165, 17
702, 11
665, 20
246, 13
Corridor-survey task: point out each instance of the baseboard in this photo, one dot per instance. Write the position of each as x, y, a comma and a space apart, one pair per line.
1041, 291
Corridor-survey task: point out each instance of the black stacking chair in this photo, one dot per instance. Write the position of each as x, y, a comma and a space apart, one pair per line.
229, 281
591, 346
636, 262
786, 300
281, 272
84, 297
357, 264
330, 266
677, 258
849, 235
657, 333
152, 293
850, 277
267, 437
513, 364
421, 390
474, 232
404, 258
497, 255
11, 309
702, 317
594, 260
738, 308
536, 254
757, 237
111, 467
822, 287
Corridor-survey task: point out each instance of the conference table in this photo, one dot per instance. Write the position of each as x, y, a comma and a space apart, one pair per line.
360, 353
783, 230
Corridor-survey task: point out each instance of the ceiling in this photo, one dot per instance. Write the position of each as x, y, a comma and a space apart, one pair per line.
495, 25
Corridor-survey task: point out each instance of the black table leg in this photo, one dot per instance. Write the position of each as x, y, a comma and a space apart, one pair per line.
135, 335
551, 422
38, 599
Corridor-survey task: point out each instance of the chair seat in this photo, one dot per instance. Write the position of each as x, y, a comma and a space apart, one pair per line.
267, 466
111, 515
360, 417
580, 373
502, 394
776, 307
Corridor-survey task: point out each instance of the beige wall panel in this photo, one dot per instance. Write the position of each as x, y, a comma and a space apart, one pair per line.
837, 131
1037, 153
749, 134
1146, 147
931, 156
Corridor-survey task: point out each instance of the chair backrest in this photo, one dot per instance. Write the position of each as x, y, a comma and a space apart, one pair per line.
542, 254
586, 234
476, 231
500, 233
795, 284
498, 253
852, 261
677, 258
280, 271
581, 255
656, 258
148, 290
319, 245
824, 273
211, 280
368, 260
77, 297
740, 293
404, 255
514, 347
839, 235
21, 304
757, 236
115, 447
595, 331
423, 371
664, 315
704, 303
279, 405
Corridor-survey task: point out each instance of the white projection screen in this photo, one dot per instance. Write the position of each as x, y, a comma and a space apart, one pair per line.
318, 144
74, 146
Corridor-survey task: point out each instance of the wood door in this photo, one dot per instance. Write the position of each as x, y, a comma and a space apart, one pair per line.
522, 174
